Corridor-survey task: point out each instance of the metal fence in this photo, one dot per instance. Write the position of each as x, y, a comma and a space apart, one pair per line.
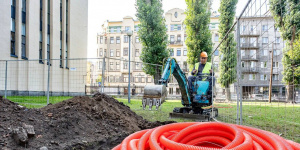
259, 51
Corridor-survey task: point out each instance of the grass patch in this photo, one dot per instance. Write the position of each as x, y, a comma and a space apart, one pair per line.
162, 114
37, 101
280, 118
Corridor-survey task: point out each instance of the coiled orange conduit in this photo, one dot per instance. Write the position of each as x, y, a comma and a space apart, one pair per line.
205, 136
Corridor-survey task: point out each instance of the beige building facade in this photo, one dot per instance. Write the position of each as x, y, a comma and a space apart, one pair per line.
33, 31
113, 43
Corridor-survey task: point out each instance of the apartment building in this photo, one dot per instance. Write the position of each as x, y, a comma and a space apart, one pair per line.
258, 39
114, 44
33, 31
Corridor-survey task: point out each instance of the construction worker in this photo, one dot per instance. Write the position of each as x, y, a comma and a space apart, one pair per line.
201, 67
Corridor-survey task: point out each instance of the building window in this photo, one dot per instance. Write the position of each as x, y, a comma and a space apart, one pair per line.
185, 37
243, 40
243, 76
100, 65
117, 65
112, 40
67, 28
136, 28
179, 38
243, 53
277, 40
243, 64
275, 77
125, 65
23, 31
216, 37
111, 66
172, 38
61, 52
263, 77
251, 76
265, 40
178, 52
126, 39
276, 52
263, 64
137, 52
100, 52
171, 52
137, 66
175, 27
265, 27
137, 40
101, 39
184, 52
275, 64
125, 52
216, 53
13, 29
105, 40
127, 28
252, 64
171, 91
118, 40
111, 53
118, 53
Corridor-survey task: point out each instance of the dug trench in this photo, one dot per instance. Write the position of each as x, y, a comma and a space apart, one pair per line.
99, 122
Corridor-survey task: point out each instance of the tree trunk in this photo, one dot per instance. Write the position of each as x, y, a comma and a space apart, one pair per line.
228, 94
157, 77
290, 93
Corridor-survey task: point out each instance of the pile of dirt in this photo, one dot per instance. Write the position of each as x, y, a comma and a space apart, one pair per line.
100, 122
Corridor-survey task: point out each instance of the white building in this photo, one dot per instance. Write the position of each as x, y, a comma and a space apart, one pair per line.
37, 30
114, 45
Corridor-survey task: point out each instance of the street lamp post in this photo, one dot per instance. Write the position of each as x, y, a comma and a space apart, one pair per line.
129, 33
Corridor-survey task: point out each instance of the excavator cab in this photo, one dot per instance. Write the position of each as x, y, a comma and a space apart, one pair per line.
202, 89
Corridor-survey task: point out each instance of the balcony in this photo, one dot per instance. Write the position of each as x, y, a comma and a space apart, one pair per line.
250, 70
250, 57
249, 33
176, 43
249, 46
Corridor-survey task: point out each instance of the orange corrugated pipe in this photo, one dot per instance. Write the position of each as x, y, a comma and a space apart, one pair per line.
205, 136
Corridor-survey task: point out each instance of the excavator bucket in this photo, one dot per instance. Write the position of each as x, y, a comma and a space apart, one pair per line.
154, 95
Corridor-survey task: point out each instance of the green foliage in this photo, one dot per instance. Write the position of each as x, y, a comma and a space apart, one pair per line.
228, 47
197, 29
291, 62
287, 18
153, 35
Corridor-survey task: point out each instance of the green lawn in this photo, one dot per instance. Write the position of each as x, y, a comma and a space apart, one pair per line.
36, 101
279, 118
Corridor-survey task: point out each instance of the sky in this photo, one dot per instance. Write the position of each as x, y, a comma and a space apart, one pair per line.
114, 10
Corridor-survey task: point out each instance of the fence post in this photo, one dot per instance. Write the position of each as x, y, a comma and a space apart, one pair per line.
103, 77
48, 80
5, 92
212, 86
239, 92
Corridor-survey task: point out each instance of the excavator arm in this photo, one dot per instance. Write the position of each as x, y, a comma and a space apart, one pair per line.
156, 94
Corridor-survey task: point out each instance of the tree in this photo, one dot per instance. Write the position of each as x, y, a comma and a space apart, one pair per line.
153, 35
291, 61
197, 29
287, 18
228, 47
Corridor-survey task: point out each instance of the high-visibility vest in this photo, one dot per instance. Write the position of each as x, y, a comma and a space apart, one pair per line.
206, 68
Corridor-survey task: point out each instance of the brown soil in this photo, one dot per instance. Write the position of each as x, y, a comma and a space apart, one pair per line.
100, 122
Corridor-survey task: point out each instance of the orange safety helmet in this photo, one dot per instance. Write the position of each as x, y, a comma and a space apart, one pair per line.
203, 54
